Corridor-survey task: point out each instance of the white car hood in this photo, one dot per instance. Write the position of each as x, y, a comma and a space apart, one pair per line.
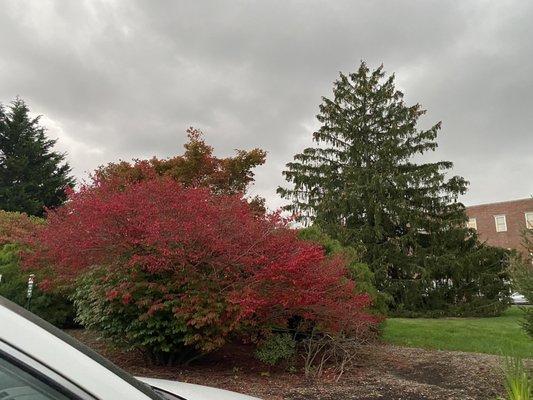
190, 391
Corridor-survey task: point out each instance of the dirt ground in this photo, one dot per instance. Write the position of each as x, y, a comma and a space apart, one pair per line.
383, 372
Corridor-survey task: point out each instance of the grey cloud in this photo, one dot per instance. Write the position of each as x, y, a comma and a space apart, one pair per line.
123, 79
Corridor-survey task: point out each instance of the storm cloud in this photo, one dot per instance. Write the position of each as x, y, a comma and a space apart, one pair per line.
124, 79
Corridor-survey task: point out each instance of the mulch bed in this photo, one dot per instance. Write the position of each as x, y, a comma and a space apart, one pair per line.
384, 372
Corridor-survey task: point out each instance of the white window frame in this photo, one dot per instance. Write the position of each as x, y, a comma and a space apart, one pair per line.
529, 219
472, 223
504, 223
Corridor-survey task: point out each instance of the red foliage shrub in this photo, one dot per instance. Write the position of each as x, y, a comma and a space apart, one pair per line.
197, 167
15, 226
206, 259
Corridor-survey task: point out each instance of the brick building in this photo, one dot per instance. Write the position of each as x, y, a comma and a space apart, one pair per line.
501, 224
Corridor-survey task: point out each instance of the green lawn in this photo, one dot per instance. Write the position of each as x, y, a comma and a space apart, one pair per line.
499, 335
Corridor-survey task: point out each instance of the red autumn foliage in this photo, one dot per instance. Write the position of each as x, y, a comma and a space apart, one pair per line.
197, 167
210, 256
15, 226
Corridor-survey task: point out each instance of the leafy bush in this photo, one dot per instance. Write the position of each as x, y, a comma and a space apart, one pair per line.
197, 167
53, 307
15, 226
181, 270
276, 348
125, 313
359, 271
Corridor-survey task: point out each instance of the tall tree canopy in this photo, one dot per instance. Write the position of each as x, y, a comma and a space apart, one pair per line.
362, 185
33, 176
197, 167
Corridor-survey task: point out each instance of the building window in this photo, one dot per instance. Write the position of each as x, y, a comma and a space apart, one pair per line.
501, 223
529, 220
472, 223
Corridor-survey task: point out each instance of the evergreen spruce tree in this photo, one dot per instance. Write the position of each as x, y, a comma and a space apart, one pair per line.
521, 270
361, 184
32, 175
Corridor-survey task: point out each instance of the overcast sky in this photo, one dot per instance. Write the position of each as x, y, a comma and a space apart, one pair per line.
124, 79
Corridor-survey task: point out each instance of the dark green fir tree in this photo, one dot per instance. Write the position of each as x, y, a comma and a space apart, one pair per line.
362, 185
32, 175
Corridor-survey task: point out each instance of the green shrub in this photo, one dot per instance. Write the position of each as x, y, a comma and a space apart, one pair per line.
53, 307
470, 280
518, 382
359, 271
277, 348
178, 272
527, 322
521, 271
160, 334
475, 308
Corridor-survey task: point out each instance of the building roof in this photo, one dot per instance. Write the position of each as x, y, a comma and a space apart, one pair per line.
505, 202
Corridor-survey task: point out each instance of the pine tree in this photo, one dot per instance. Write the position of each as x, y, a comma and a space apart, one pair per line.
32, 176
362, 185
521, 270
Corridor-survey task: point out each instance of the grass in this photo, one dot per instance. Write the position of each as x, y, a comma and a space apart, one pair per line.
518, 383
499, 335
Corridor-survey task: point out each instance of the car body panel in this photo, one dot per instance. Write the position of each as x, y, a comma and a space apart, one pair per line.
190, 391
517, 298
71, 363
35, 340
